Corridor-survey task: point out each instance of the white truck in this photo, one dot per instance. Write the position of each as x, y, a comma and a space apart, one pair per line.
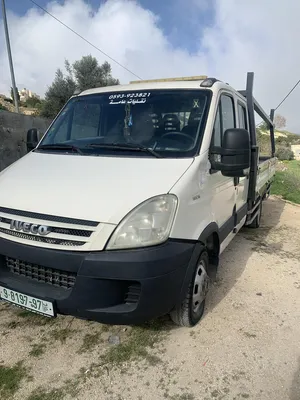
120, 212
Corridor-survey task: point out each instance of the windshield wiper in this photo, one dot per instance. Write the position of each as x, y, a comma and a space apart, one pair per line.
59, 147
124, 147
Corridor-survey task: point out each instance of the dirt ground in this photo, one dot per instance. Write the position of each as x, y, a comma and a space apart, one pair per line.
246, 347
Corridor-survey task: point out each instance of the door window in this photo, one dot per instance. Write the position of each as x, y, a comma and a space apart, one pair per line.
227, 113
225, 119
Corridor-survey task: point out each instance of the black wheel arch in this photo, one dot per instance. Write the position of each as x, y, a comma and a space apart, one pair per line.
208, 241
210, 238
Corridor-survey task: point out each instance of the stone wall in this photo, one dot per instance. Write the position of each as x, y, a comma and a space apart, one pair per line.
13, 129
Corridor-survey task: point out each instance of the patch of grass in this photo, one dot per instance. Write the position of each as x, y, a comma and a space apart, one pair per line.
141, 338
70, 387
62, 334
105, 328
12, 325
41, 394
152, 359
10, 379
37, 350
287, 182
90, 340
33, 318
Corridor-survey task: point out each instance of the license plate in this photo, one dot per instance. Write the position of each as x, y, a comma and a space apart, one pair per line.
30, 303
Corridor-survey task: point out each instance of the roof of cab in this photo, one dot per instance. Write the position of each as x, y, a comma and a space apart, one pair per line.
152, 85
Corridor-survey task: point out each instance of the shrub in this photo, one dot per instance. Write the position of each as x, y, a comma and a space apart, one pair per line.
33, 102
284, 153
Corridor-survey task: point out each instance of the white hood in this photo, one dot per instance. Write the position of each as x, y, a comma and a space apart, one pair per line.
102, 189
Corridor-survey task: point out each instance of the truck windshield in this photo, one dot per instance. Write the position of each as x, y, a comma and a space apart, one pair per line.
165, 123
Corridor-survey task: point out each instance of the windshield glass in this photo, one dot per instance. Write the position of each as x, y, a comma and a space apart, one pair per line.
169, 122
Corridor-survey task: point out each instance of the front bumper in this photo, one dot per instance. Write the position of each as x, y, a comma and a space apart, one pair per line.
116, 287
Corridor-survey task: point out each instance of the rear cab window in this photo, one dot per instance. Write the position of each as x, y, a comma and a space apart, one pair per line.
242, 115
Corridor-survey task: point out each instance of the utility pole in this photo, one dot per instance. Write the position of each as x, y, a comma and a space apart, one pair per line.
10, 58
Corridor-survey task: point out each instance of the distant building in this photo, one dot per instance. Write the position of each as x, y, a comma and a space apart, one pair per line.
26, 94
296, 150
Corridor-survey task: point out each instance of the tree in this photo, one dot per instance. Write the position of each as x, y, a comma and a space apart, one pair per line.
12, 94
61, 89
279, 121
83, 74
89, 74
33, 102
284, 153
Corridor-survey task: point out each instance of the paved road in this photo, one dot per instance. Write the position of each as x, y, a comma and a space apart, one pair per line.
246, 347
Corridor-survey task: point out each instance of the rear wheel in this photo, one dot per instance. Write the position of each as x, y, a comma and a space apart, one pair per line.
191, 309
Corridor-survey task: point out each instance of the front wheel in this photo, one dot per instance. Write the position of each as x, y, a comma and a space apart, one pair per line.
191, 309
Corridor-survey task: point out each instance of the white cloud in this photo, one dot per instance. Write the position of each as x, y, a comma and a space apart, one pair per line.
262, 37
246, 35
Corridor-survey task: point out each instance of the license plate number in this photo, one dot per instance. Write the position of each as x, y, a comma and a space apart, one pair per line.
30, 303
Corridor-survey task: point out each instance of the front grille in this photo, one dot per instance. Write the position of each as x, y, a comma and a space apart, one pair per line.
61, 242
73, 232
61, 231
41, 274
64, 231
133, 293
47, 217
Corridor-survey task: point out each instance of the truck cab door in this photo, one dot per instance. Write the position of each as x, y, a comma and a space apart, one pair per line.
223, 200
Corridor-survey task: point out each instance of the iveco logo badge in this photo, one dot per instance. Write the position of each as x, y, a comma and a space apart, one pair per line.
29, 228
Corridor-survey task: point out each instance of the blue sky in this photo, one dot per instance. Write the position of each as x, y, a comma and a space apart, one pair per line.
181, 20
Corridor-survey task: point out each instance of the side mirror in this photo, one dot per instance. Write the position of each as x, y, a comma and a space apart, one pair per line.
233, 158
32, 139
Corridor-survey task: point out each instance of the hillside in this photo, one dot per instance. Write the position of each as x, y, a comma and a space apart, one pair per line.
7, 105
282, 138
283, 134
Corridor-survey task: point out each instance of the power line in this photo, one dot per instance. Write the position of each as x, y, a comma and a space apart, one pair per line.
91, 44
294, 87
290, 92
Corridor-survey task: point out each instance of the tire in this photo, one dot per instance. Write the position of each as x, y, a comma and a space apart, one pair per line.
191, 309
256, 222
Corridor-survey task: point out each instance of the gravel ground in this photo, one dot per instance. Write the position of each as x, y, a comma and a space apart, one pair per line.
246, 347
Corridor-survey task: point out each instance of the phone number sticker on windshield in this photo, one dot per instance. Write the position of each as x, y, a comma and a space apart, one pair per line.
129, 98
128, 95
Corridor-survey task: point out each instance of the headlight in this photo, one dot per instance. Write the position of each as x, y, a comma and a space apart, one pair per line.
148, 224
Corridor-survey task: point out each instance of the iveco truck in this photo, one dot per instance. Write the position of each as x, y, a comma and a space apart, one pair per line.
121, 211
